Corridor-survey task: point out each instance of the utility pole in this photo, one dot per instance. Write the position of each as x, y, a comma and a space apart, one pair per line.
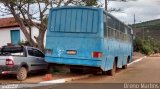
134, 19
106, 5
134, 22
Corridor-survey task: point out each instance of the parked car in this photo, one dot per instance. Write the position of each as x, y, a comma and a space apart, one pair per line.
21, 60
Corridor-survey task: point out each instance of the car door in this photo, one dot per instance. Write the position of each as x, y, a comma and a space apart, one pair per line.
32, 61
39, 56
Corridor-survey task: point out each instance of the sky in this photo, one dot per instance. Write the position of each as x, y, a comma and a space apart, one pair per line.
144, 10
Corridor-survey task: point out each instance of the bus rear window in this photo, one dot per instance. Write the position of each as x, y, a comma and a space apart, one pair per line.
74, 20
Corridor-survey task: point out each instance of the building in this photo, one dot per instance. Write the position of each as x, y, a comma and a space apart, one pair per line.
10, 32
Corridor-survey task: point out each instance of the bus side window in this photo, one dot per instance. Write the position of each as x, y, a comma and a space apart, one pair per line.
109, 33
126, 30
129, 38
116, 25
129, 31
122, 28
116, 34
125, 37
110, 21
122, 36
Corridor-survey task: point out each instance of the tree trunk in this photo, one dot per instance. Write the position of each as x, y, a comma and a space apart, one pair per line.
40, 40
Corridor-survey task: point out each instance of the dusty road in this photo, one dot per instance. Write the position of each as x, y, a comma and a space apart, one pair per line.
145, 71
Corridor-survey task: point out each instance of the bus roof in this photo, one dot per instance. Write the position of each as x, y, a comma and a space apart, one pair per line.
77, 7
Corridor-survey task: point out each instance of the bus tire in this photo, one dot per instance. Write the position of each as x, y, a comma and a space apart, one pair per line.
113, 70
104, 72
125, 66
22, 74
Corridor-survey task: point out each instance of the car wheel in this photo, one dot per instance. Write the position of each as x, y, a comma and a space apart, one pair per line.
22, 74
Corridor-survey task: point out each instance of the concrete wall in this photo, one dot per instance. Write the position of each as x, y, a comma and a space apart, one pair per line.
5, 35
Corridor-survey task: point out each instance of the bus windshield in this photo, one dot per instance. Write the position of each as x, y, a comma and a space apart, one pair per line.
74, 20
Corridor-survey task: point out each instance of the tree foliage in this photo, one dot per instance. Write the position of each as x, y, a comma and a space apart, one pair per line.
146, 46
90, 2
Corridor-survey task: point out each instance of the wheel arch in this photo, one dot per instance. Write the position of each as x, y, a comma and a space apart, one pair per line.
25, 65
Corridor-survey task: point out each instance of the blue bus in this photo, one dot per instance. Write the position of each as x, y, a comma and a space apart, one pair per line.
87, 37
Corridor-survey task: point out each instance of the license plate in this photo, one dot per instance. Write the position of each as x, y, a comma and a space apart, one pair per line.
71, 52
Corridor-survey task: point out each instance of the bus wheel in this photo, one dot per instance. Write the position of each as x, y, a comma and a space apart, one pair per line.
104, 72
125, 66
113, 70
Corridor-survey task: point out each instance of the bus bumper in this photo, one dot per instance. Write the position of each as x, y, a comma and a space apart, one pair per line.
74, 61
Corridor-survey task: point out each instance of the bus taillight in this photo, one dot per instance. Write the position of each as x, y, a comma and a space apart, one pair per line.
96, 54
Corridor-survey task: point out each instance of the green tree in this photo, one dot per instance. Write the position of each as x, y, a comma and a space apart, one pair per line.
90, 2
144, 46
